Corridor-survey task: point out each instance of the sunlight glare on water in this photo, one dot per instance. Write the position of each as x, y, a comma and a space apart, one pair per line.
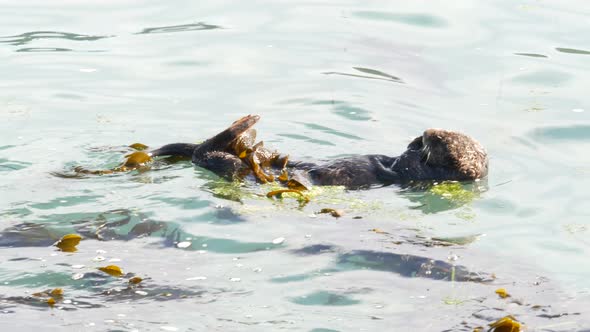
83, 80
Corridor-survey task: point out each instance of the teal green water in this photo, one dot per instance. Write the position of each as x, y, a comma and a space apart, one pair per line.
81, 81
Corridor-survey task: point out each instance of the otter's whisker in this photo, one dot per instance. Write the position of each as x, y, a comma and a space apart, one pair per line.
426, 153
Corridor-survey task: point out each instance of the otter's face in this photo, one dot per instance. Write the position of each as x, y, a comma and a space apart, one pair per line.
440, 147
456, 152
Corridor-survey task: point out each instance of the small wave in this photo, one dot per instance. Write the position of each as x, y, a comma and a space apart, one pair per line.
180, 28
28, 37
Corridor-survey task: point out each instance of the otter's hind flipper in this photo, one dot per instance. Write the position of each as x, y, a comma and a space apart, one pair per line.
223, 140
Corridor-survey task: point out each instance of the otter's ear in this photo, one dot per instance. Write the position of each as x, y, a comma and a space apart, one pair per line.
416, 144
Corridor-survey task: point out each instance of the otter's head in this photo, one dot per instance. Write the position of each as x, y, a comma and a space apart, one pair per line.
461, 155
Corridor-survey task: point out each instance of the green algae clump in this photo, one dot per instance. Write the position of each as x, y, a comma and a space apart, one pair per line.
453, 191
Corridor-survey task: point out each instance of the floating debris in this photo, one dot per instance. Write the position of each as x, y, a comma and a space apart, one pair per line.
505, 324
183, 245
57, 292
334, 213
278, 240
68, 242
453, 191
168, 328
139, 146
77, 276
279, 194
52, 296
196, 278
137, 160
112, 270
135, 280
51, 301
502, 293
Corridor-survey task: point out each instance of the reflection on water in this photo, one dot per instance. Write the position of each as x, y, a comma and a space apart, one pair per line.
121, 225
547, 78
377, 74
44, 49
572, 51
339, 107
180, 28
389, 71
408, 266
532, 55
438, 197
416, 19
7, 165
405, 265
55, 49
29, 37
315, 249
574, 133
95, 290
27, 235
307, 139
325, 299
331, 131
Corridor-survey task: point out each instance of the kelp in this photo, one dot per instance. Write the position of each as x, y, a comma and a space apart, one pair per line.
505, 324
258, 158
68, 242
233, 191
453, 191
261, 160
265, 165
112, 270
279, 194
135, 280
51, 296
138, 146
333, 212
502, 293
137, 160
130, 288
433, 197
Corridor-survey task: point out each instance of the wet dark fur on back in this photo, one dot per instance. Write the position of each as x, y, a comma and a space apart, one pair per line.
435, 155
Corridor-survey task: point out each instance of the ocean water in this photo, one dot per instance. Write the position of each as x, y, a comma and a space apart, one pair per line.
82, 81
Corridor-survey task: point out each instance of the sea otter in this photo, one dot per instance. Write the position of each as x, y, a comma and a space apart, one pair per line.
435, 155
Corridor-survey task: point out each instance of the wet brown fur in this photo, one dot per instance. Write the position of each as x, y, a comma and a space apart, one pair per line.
436, 155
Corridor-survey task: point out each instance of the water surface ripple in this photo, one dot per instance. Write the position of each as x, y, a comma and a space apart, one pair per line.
81, 81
